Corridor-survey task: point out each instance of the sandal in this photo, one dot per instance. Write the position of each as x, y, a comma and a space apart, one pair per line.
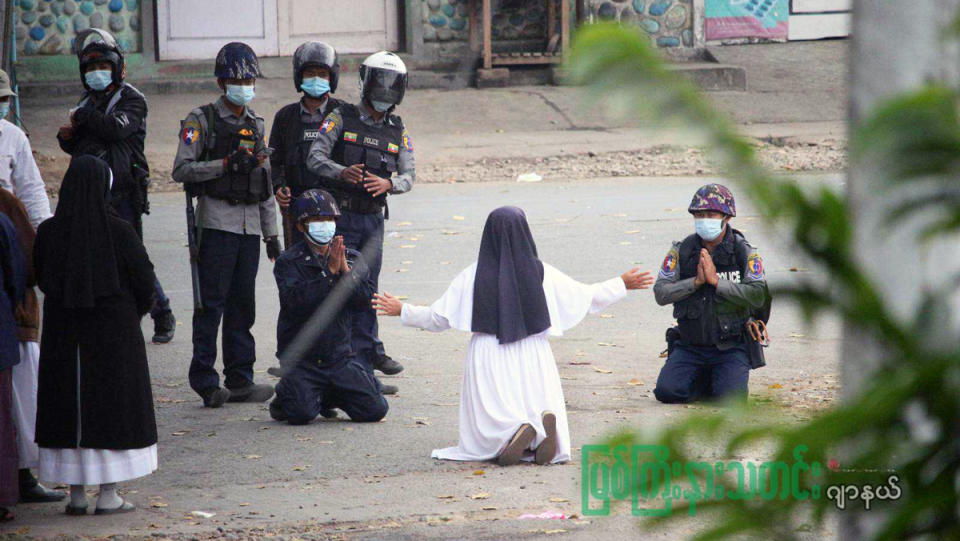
125, 507
76, 511
548, 447
518, 444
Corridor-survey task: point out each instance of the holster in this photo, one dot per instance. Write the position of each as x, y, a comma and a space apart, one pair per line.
754, 349
673, 336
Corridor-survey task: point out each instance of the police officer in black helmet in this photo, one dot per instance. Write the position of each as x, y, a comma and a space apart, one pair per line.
296, 126
110, 122
222, 159
364, 153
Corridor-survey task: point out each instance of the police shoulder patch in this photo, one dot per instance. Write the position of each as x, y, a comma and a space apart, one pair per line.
407, 143
755, 266
328, 125
190, 132
669, 267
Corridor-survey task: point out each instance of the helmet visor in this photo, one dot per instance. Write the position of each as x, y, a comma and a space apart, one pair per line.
385, 85
94, 35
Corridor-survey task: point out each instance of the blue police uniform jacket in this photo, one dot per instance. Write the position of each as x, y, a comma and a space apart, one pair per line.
306, 285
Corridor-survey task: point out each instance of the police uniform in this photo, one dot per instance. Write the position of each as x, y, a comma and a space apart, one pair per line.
234, 211
294, 131
112, 125
326, 375
709, 360
350, 135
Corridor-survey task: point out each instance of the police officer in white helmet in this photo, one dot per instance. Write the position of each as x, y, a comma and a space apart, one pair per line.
363, 154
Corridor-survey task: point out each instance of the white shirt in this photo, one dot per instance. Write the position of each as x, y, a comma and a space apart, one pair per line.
19, 174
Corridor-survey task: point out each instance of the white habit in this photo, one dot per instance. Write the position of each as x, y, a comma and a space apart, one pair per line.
25, 403
507, 385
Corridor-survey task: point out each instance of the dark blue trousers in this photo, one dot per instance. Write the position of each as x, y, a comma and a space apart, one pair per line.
124, 208
692, 373
364, 233
228, 274
308, 387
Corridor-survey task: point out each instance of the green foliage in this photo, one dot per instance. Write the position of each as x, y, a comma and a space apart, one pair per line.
914, 141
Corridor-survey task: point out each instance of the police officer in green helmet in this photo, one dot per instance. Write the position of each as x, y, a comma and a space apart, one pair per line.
716, 283
222, 160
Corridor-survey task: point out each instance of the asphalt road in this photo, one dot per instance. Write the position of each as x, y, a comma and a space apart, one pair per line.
335, 478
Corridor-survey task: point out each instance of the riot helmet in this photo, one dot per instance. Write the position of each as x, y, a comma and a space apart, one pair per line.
95, 45
383, 79
316, 54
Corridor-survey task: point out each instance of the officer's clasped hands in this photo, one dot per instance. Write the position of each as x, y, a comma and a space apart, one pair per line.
706, 270
337, 256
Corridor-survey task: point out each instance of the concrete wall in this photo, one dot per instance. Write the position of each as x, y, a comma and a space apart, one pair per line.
670, 23
449, 20
47, 27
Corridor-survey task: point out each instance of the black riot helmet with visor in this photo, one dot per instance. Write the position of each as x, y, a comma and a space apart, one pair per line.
383, 78
94, 46
316, 54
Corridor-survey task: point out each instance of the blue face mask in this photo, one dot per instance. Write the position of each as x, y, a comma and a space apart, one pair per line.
240, 94
4, 109
321, 233
98, 79
381, 106
708, 228
315, 86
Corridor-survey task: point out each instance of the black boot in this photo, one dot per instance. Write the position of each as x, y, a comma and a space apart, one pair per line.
386, 364
255, 392
388, 389
31, 491
276, 411
163, 328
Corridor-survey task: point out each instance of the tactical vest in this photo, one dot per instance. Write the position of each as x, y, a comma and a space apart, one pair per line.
377, 147
704, 318
299, 137
224, 139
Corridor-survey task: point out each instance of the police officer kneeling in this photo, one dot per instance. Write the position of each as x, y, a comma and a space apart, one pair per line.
716, 283
320, 276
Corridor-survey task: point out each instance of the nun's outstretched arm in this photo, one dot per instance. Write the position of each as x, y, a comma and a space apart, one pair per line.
423, 317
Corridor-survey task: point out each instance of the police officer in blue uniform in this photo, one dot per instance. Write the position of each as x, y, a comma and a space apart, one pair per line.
222, 160
316, 73
322, 284
364, 153
716, 283
110, 122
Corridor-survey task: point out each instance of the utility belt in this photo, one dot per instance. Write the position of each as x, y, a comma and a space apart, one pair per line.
363, 205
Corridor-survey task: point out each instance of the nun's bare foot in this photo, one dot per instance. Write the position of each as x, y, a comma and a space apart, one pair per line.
548, 447
518, 444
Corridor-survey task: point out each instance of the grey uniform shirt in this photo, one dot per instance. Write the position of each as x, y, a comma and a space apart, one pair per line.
747, 289
253, 219
320, 163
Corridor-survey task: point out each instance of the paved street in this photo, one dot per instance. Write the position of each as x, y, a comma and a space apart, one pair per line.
335, 478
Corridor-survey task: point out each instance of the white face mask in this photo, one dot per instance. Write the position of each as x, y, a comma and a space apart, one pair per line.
708, 228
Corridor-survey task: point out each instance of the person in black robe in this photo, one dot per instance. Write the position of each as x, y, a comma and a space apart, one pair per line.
95, 420
12, 280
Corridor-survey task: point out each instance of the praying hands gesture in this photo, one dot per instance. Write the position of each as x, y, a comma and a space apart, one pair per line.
634, 279
337, 256
386, 304
706, 270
